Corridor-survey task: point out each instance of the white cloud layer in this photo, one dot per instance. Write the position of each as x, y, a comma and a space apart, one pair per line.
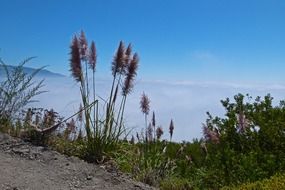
185, 102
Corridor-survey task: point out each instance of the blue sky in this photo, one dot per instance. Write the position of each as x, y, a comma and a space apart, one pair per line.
205, 40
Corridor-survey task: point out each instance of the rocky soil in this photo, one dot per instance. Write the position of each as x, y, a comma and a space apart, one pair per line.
27, 167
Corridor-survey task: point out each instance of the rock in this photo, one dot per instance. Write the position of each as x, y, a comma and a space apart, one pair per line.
89, 177
5, 138
21, 150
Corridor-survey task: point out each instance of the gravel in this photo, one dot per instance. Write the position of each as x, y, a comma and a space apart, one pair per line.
27, 167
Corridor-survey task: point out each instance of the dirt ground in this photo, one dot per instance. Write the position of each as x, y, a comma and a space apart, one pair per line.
27, 167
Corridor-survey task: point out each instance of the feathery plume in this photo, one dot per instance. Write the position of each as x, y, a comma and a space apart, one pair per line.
171, 129
204, 147
130, 75
37, 120
118, 65
49, 118
29, 115
159, 132
211, 135
132, 141
149, 132
83, 46
75, 62
71, 126
128, 54
153, 124
80, 135
92, 56
243, 122
153, 119
145, 104
138, 136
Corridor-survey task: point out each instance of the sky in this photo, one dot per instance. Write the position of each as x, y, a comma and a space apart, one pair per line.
206, 40
192, 53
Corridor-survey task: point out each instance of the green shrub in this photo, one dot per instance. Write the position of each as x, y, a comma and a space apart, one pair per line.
71, 148
175, 184
17, 90
273, 183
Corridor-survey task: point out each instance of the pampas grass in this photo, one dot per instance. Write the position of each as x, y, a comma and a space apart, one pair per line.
104, 129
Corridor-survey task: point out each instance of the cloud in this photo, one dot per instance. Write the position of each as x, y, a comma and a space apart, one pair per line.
186, 102
204, 57
255, 86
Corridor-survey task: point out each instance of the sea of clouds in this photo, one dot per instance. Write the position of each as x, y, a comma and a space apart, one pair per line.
185, 102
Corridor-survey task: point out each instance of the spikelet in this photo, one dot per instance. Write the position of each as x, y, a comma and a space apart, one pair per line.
243, 122
92, 56
49, 118
130, 75
144, 104
71, 126
128, 54
83, 45
132, 141
159, 132
150, 132
75, 62
29, 115
138, 137
80, 135
153, 125
118, 64
37, 119
171, 128
211, 135
153, 119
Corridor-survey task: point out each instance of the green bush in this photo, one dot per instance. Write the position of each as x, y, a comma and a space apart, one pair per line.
71, 148
273, 183
175, 184
17, 90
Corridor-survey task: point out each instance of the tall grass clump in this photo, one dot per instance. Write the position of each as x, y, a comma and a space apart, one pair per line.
17, 90
103, 130
144, 104
150, 164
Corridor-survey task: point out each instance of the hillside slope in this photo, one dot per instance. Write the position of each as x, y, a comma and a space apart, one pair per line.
24, 166
29, 70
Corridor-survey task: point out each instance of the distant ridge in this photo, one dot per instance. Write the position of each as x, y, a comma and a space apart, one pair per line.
29, 70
